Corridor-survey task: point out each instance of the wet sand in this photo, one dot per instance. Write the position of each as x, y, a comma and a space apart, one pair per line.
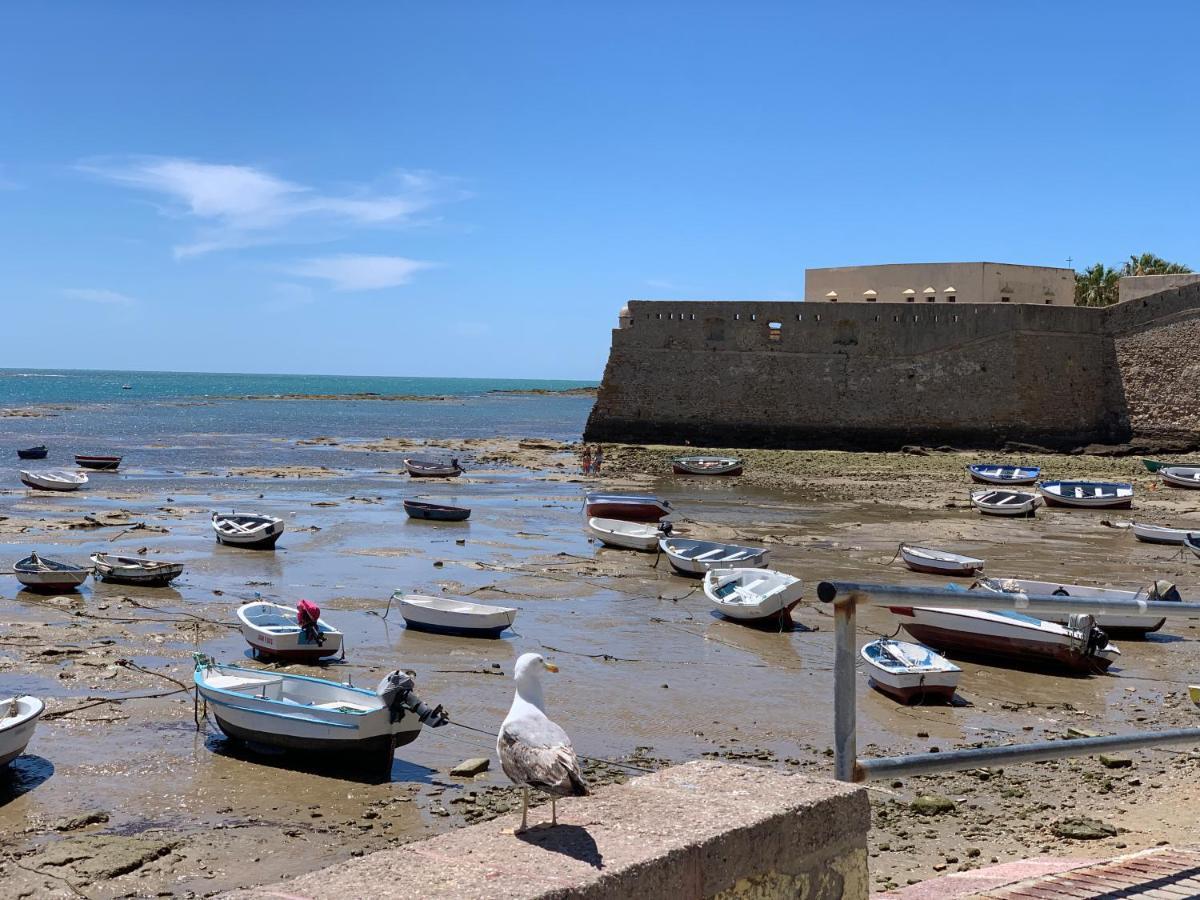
649, 674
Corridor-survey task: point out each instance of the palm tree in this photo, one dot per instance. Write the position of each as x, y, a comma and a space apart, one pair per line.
1149, 264
1096, 286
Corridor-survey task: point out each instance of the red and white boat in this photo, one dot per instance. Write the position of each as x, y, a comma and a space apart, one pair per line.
939, 562
908, 672
630, 507
285, 632
1013, 637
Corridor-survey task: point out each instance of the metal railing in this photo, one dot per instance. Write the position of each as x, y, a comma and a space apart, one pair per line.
846, 597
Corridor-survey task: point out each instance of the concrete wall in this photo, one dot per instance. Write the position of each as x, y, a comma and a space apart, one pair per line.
973, 282
701, 830
1134, 287
874, 376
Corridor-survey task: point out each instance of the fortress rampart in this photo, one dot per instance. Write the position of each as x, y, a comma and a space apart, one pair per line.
872, 376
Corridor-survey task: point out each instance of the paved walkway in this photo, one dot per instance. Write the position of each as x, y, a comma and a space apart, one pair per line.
1164, 874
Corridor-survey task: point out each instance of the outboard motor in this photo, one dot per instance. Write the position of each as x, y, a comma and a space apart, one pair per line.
1091, 636
308, 615
665, 528
1165, 591
396, 691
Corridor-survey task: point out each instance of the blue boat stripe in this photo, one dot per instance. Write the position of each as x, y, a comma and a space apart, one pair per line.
266, 712
285, 675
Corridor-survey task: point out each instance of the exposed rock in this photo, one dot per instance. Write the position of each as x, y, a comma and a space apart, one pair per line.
471, 767
105, 855
932, 805
1081, 828
95, 817
1112, 761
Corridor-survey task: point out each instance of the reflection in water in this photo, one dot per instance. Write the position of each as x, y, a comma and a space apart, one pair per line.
343, 767
22, 775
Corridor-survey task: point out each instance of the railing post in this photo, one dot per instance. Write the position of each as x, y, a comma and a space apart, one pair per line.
845, 736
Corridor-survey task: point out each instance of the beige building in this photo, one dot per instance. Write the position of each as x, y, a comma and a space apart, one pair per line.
966, 282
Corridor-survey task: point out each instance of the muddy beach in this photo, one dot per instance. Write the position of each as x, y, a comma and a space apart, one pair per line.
121, 796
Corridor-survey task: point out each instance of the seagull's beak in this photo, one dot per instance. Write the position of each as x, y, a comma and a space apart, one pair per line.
550, 667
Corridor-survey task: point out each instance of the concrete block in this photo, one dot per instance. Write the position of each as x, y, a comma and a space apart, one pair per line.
702, 830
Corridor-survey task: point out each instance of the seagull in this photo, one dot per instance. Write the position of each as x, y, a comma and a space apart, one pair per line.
533, 751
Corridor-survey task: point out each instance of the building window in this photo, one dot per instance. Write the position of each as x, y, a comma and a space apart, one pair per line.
911, 299
930, 299
950, 298
1005, 299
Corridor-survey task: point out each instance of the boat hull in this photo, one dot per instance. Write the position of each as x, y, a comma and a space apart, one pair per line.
437, 513
1089, 502
929, 565
51, 486
1187, 477
98, 463
1087, 494
156, 580
913, 694
380, 745
52, 587
628, 512
33, 453
1158, 534
647, 542
1007, 648
266, 543
1011, 476
293, 654
16, 737
1005, 503
683, 467
484, 631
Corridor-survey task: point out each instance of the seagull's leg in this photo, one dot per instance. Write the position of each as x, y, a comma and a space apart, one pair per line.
524, 807
553, 813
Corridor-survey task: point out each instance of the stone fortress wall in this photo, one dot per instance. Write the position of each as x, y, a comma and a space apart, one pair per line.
873, 376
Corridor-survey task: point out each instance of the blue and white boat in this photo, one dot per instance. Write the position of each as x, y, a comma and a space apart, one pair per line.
909, 672
990, 473
296, 712
1094, 494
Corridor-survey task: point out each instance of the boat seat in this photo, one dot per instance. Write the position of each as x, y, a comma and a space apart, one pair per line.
707, 555
280, 629
246, 685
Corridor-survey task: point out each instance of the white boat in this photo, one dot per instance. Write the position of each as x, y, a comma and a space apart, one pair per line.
296, 712
1192, 542
706, 465
1088, 494
753, 595
446, 615
1160, 534
18, 719
938, 562
1012, 637
627, 535
432, 468
135, 569
694, 558
909, 672
989, 473
275, 630
1181, 476
54, 480
1107, 621
254, 532
48, 575
1004, 503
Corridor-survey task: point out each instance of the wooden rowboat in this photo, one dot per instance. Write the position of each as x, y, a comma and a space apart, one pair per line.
432, 468
435, 512
102, 463
706, 465
250, 531
47, 576
38, 452
275, 630
753, 595
627, 535
908, 672
1004, 503
694, 558
939, 562
989, 473
1181, 476
630, 507
1088, 494
447, 615
54, 480
135, 570
1159, 534
18, 719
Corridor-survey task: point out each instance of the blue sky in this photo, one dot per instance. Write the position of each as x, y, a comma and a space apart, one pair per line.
475, 188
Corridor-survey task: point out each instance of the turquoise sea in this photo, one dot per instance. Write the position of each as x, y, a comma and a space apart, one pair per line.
175, 419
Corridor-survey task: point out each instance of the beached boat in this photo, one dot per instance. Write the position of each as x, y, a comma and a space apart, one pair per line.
18, 719
1093, 494
694, 558
1123, 623
630, 507
1192, 542
908, 672
938, 562
1004, 503
1160, 534
1152, 465
628, 535
432, 468
1011, 637
49, 576
753, 595
989, 473
39, 452
135, 570
250, 531
102, 463
1181, 476
435, 512
446, 615
286, 632
57, 480
314, 715
706, 465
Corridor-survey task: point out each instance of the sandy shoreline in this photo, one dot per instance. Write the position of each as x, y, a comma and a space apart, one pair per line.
128, 796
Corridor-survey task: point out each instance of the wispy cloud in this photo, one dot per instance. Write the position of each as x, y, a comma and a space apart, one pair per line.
351, 272
99, 295
241, 206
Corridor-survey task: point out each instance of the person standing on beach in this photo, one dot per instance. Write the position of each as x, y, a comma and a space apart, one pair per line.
597, 459
585, 460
